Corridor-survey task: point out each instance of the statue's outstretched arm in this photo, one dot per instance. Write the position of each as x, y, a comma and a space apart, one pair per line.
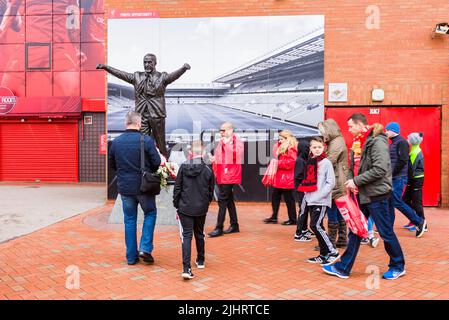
125, 76
176, 74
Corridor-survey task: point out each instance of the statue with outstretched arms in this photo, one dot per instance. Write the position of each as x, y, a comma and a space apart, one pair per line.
149, 87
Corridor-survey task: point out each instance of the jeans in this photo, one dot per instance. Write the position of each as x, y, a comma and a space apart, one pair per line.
382, 212
398, 189
148, 206
226, 201
191, 227
413, 196
333, 214
289, 201
370, 224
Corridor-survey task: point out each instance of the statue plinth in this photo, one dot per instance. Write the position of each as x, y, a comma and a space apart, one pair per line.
166, 213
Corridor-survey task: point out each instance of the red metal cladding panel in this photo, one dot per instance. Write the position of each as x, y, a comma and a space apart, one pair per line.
37, 7
15, 81
93, 53
66, 28
12, 57
93, 84
39, 151
39, 84
92, 6
39, 28
93, 28
429, 123
66, 84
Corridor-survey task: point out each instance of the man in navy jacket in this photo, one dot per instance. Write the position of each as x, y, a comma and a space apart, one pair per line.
124, 157
399, 154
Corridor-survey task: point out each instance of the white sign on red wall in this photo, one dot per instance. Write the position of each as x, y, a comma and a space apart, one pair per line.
7, 100
118, 14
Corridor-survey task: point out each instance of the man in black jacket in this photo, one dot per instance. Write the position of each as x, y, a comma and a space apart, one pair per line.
192, 194
399, 154
124, 157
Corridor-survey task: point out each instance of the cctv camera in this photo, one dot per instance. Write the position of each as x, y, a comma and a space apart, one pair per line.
442, 28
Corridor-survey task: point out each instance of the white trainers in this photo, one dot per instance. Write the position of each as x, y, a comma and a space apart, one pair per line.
187, 274
373, 242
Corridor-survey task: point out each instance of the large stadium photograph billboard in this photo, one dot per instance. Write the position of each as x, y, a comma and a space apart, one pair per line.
263, 74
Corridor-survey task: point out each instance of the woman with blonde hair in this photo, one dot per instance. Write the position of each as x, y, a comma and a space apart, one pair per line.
286, 152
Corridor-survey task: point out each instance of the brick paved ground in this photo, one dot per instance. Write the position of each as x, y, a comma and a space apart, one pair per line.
262, 262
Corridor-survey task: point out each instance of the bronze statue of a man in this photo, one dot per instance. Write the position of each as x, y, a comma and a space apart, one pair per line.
149, 89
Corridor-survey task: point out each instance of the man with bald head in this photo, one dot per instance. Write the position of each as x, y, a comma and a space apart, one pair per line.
149, 89
227, 164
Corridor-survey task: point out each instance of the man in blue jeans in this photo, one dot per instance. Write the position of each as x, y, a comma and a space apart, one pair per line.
374, 185
399, 154
124, 157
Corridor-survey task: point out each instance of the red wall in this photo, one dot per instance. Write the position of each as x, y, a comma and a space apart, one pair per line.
411, 119
53, 49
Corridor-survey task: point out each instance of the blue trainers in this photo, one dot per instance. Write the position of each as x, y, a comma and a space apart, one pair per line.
334, 272
412, 229
409, 225
393, 274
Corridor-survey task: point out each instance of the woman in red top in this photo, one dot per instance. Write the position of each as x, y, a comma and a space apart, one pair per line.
286, 152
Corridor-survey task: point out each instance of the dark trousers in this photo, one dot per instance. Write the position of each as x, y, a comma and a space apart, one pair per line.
398, 189
289, 201
191, 226
317, 214
382, 212
302, 220
155, 127
413, 196
226, 201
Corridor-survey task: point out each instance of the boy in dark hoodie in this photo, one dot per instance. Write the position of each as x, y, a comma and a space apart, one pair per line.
192, 194
302, 233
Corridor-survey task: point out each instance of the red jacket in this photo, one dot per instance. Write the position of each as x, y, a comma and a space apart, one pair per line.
285, 175
228, 161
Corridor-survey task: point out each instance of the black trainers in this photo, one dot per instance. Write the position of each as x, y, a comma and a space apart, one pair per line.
421, 229
331, 258
187, 274
302, 238
271, 220
200, 264
146, 257
288, 223
319, 259
364, 241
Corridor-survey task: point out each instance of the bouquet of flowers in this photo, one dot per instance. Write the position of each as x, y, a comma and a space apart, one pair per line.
166, 170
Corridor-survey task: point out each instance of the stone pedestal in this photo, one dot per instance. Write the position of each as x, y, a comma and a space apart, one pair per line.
166, 213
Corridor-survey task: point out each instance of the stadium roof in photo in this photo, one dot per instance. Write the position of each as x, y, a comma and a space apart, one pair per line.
295, 53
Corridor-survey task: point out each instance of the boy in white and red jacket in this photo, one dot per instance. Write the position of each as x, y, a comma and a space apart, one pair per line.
227, 164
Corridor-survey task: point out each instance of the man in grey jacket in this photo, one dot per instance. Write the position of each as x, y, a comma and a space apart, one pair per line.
374, 184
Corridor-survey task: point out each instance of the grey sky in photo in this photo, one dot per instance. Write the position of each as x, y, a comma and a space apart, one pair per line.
212, 46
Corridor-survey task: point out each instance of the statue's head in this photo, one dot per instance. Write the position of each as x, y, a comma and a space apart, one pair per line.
149, 62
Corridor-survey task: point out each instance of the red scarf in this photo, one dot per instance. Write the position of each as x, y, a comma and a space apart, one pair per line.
357, 147
309, 184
